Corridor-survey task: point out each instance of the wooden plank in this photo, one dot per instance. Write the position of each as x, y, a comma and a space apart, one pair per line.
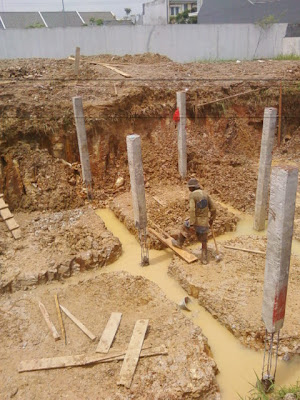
83, 359
247, 250
109, 333
16, 233
118, 71
133, 353
5, 213
63, 332
1, 195
49, 322
78, 323
182, 253
3, 204
280, 115
11, 224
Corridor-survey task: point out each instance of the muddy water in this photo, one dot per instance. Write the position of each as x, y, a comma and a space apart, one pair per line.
237, 364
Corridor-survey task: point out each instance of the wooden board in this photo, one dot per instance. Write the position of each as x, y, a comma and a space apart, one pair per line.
3, 204
246, 250
83, 359
1, 195
16, 233
109, 333
78, 323
49, 322
118, 71
133, 352
63, 332
5, 214
182, 253
11, 224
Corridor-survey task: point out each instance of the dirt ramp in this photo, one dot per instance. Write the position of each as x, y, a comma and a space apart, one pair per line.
186, 372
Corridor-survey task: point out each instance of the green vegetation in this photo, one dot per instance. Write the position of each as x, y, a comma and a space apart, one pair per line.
94, 21
291, 57
35, 25
257, 393
266, 22
183, 18
127, 10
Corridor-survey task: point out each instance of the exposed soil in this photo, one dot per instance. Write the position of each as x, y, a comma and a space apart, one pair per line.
54, 246
232, 291
40, 177
186, 372
168, 208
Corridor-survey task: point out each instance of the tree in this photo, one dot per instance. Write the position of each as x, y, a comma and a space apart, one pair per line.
127, 10
183, 18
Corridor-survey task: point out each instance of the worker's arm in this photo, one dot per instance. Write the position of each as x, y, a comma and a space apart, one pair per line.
213, 210
192, 211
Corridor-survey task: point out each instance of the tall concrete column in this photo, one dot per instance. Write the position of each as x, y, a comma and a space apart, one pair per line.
82, 140
265, 161
134, 151
284, 182
181, 139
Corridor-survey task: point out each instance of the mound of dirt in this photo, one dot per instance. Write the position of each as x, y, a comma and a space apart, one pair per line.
186, 372
145, 58
167, 207
54, 246
232, 292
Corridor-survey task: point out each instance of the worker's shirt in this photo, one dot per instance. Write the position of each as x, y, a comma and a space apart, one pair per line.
200, 207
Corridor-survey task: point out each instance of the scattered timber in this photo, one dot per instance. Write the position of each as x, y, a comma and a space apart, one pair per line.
133, 352
50, 324
109, 333
246, 250
118, 71
9, 220
78, 323
63, 332
83, 359
182, 253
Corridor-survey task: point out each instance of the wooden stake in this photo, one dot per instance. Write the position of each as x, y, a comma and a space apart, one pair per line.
49, 322
77, 60
133, 353
279, 115
63, 332
78, 323
83, 359
247, 250
196, 107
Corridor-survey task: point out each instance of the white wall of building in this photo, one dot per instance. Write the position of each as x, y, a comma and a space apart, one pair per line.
155, 13
291, 45
182, 43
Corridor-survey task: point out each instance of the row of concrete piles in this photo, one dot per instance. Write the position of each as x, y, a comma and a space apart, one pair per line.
283, 190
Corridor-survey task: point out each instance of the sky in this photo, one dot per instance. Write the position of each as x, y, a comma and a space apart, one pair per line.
116, 6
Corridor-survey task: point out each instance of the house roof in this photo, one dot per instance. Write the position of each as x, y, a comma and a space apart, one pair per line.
248, 11
21, 20
104, 16
60, 19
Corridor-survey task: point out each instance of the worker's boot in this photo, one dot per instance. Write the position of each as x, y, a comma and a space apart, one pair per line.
179, 242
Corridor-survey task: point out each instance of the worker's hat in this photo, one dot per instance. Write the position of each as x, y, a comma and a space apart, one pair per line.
193, 183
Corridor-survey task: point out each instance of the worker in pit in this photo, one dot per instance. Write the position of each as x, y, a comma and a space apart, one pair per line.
202, 215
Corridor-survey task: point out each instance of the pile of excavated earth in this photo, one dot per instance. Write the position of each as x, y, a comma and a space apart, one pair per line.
63, 238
